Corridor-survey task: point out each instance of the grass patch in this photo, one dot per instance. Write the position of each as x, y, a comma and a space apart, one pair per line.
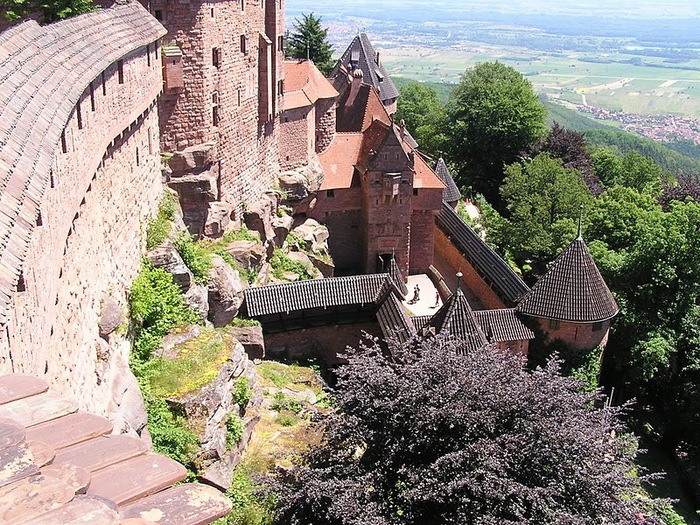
287, 376
250, 507
197, 363
282, 264
197, 258
160, 227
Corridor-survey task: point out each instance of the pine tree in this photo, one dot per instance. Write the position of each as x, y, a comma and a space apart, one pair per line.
310, 40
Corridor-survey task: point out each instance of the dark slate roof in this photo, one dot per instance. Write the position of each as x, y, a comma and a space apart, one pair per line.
316, 293
572, 290
494, 270
43, 72
456, 318
451, 193
362, 55
393, 319
421, 321
503, 325
397, 277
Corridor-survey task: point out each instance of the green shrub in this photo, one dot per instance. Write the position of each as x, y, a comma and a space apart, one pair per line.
243, 322
234, 430
160, 227
281, 263
242, 392
282, 402
170, 433
156, 307
249, 506
197, 258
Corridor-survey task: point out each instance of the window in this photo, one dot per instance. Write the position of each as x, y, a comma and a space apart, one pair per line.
242, 5
148, 55
280, 87
104, 84
120, 71
330, 193
92, 96
215, 108
239, 96
597, 327
64, 146
159, 15
415, 192
21, 285
211, 12
244, 45
138, 158
280, 43
553, 324
216, 57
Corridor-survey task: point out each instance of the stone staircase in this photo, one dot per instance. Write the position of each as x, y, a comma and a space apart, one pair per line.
59, 466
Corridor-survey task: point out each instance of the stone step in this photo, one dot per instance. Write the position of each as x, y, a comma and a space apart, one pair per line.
16, 462
102, 452
69, 430
24, 500
19, 386
82, 510
136, 478
190, 504
37, 409
11, 433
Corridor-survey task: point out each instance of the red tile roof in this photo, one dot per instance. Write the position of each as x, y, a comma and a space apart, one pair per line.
304, 84
43, 72
425, 177
339, 160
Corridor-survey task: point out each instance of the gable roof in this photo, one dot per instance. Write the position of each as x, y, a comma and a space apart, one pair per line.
358, 108
503, 325
43, 73
451, 193
361, 55
572, 290
304, 84
456, 318
339, 160
487, 263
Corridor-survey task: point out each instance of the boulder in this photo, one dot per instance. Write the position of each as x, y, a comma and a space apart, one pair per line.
306, 205
225, 292
313, 235
302, 258
323, 264
259, 216
193, 158
110, 316
197, 297
251, 337
247, 254
197, 189
282, 226
218, 219
166, 257
294, 185
264, 275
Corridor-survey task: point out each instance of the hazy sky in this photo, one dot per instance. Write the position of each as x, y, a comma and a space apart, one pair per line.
612, 8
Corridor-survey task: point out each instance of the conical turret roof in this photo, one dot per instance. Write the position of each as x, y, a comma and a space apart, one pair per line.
572, 290
451, 192
456, 318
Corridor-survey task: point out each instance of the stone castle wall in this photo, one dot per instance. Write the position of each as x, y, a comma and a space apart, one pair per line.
577, 335
105, 186
325, 124
233, 99
458, 262
296, 137
342, 214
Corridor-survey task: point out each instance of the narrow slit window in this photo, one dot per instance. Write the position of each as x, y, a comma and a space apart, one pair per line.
148, 55
79, 115
92, 96
120, 71
104, 84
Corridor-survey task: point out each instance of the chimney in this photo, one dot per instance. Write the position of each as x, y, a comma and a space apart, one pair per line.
377, 58
357, 77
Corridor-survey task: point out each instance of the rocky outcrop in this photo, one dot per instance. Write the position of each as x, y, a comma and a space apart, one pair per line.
251, 337
218, 219
166, 257
197, 298
193, 159
247, 254
312, 235
110, 316
210, 407
259, 216
282, 226
225, 292
294, 185
323, 264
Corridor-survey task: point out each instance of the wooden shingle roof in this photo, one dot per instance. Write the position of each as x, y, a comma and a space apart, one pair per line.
502, 325
572, 290
456, 318
451, 192
362, 55
43, 72
59, 466
488, 264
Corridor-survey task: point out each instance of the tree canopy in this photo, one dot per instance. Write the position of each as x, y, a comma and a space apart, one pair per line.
309, 39
425, 116
50, 10
494, 116
429, 435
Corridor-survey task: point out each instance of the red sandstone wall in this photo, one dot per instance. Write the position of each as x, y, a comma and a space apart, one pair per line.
343, 216
578, 336
458, 262
90, 237
247, 146
297, 137
325, 124
422, 241
320, 343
